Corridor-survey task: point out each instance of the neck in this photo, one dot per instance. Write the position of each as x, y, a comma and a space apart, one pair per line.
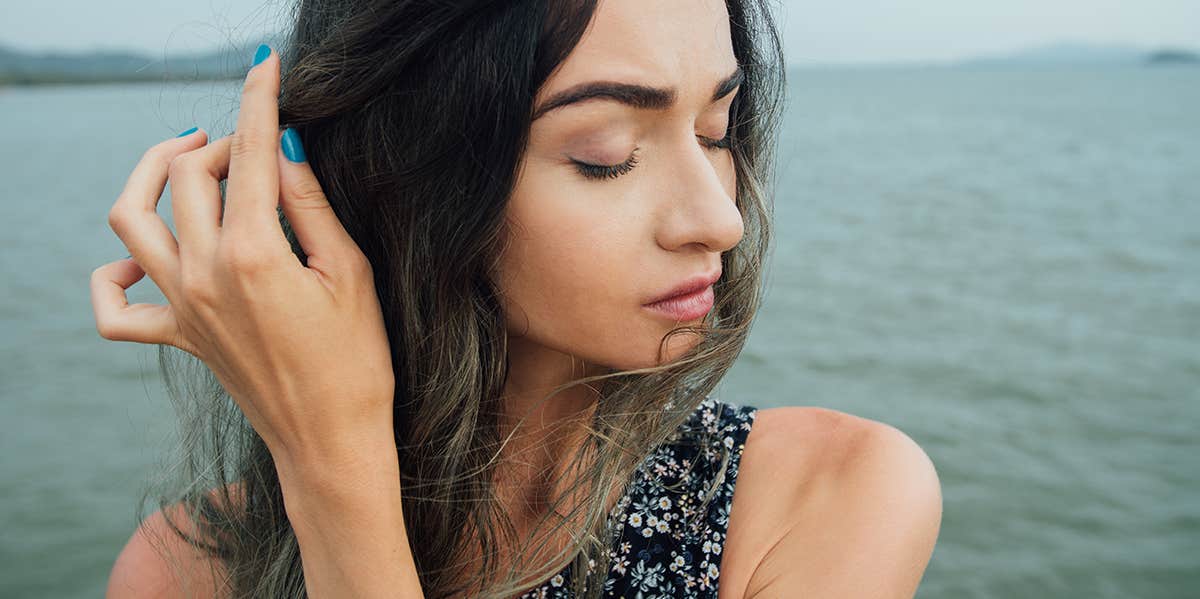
552, 430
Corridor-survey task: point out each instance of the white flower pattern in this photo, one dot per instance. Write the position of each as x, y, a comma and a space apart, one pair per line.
669, 545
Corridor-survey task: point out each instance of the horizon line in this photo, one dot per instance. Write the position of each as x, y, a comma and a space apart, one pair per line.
982, 55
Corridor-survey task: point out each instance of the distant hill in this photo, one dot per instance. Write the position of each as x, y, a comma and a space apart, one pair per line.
19, 67
1173, 57
34, 68
1079, 54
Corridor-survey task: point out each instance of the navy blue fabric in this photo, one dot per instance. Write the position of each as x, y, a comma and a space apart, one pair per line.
667, 547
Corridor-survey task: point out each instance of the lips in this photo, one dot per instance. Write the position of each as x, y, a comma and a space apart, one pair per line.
686, 287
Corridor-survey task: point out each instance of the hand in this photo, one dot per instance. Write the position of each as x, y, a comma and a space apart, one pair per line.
301, 349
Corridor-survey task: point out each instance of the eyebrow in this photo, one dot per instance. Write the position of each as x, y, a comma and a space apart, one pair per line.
637, 96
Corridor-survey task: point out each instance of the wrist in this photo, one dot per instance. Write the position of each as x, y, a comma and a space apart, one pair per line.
342, 477
345, 510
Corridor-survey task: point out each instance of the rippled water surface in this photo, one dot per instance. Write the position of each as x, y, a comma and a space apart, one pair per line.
1003, 264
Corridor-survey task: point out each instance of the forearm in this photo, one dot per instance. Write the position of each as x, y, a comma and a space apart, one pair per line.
349, 524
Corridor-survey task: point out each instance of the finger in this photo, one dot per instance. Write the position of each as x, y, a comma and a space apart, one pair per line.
134, 215
117, 320
252, 192
196, 198
306, 207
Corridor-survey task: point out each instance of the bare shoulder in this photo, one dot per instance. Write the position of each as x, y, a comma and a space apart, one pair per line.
157, 563
829, 504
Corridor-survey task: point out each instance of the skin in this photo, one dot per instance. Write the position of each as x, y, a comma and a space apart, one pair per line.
236, 293
584, 256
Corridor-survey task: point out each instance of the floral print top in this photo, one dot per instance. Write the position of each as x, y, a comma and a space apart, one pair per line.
667, 547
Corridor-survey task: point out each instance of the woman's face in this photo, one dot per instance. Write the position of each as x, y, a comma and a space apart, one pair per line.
585, 253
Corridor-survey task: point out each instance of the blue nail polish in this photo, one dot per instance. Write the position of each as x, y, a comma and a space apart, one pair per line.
261, 54
188, 132
291, 145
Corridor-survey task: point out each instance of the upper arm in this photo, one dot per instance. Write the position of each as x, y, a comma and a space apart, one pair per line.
866, 528
157, 563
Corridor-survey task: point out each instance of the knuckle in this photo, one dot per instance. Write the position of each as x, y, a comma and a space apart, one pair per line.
254, 261
155, 153
243, 257
360, 265
180, 164
251, 263
159, 154
251, 84
117, 219
195, 289
245, 142
107, 330
308, 190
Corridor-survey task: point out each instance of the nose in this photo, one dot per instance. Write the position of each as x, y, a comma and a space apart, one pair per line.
701, 208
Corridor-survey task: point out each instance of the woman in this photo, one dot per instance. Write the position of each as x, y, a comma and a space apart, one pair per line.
456, 374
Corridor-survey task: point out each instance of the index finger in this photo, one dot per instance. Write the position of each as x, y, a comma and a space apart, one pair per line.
252, 189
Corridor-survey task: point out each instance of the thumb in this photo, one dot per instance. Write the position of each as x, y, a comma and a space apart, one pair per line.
305, 206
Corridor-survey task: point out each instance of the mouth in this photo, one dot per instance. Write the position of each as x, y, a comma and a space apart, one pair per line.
685, 307
688, 300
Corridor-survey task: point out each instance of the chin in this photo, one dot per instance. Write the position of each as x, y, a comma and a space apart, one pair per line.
679, 344
646, 355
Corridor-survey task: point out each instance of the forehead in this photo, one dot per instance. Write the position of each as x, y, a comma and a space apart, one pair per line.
683, 44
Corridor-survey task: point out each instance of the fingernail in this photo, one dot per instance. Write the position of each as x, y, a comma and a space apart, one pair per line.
188, 132
292, 147
261, 54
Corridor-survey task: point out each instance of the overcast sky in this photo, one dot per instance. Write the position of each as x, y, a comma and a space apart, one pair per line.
814, 31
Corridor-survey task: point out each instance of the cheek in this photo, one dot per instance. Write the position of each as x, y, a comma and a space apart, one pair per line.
567, 265
573, 273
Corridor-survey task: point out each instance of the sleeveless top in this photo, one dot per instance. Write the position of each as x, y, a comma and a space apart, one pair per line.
667, 546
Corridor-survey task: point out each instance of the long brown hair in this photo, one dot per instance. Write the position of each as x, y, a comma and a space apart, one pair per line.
415, 116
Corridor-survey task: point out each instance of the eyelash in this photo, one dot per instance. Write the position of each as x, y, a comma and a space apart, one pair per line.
600, 171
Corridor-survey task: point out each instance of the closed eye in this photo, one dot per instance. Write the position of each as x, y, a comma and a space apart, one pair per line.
612, 171
605, 171
720, 144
